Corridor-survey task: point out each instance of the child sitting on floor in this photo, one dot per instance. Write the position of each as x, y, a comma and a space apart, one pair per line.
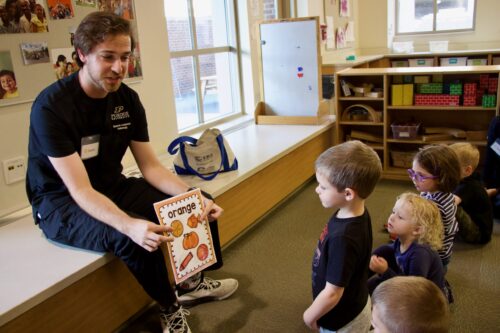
474, 212
436, 173
417, 224
409, 304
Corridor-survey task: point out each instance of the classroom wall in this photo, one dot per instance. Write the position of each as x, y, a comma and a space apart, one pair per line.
373, 26
155, 90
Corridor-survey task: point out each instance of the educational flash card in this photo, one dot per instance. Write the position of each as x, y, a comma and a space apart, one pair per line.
192, 249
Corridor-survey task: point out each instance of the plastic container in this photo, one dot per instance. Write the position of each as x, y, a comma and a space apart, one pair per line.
402, 47
402, 159
438, 46
404, 131
422, 62
453, 61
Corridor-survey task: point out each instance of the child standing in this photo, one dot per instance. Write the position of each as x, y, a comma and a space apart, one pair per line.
409, 304
474, 212
417, 224
346, 175
436, 173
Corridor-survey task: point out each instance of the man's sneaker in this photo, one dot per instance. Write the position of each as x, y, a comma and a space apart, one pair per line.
208, 290
175, 322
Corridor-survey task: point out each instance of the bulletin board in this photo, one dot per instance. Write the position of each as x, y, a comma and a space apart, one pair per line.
290, 66
34, 74
340, 24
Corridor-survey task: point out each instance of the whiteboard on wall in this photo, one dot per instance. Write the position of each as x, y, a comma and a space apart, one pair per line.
290, 67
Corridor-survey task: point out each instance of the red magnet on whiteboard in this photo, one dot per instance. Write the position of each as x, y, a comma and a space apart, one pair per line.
299, 70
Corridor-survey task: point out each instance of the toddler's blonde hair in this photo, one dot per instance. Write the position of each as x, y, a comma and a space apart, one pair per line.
467, 154
425, 214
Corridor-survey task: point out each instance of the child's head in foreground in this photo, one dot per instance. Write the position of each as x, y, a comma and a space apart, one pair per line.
435, 168
409, 304
352, 165
416, 217
468, 157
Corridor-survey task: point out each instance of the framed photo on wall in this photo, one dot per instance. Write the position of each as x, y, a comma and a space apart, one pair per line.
125, 9
8, 83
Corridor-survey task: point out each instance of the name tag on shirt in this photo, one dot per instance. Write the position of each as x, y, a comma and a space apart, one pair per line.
90, 146
496, 146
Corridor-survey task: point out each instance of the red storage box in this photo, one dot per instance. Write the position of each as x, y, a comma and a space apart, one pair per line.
470, 100
437, 99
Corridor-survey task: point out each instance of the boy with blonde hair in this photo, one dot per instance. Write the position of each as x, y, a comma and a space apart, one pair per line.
346, 175
474, 213
409, 304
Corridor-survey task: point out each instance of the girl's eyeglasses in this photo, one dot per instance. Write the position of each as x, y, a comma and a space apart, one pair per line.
419, 177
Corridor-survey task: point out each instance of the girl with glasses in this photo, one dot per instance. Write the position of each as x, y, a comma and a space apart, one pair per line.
436, 174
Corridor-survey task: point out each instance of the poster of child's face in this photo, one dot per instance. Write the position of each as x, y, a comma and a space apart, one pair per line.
64, 62
22, 16
60, 9
123, 8
8, 85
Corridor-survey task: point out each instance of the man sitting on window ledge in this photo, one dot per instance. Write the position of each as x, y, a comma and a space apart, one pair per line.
80, 129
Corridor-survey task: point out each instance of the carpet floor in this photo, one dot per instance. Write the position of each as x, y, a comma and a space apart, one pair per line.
272, 262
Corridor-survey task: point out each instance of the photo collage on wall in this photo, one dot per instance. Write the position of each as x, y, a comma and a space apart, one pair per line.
27, 17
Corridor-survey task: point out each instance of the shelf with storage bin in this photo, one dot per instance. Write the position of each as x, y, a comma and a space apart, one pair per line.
471, 120
361, 117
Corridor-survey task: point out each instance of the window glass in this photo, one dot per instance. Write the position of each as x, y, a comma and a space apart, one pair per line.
428, 16
210, 19
203, 60
186, 104
415, 15
216, 88
455, 15
178, 25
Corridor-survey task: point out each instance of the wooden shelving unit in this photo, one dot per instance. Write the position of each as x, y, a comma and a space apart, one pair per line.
466, 118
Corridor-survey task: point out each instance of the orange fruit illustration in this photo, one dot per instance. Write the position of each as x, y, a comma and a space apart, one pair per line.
177, 228
193, 221
190, 240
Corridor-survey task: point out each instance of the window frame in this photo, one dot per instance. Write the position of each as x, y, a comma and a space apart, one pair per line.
434, 23
232, 48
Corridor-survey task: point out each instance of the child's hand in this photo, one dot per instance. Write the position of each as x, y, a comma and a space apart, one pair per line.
378, 264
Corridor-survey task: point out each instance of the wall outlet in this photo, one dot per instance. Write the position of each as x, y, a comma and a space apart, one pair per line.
14, 169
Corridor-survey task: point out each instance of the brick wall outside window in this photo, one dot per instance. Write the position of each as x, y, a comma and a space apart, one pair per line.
182, 68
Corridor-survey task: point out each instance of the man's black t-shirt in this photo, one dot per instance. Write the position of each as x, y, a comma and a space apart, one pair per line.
64, 120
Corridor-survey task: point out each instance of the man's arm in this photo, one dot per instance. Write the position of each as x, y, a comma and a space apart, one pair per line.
72, 171
163, 179
154, 172
326, 300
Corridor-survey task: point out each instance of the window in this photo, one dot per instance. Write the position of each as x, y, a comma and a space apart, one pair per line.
269, 9
434, 16
204, 60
